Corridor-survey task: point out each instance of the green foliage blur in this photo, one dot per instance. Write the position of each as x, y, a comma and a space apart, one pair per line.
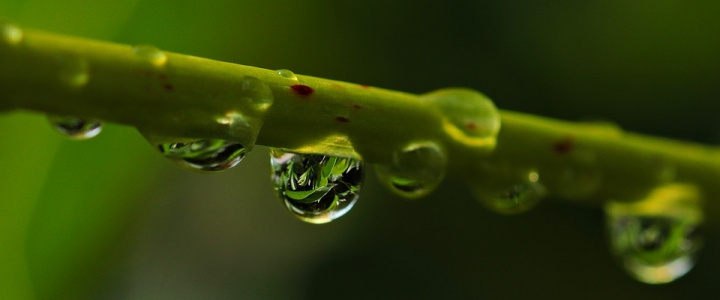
110, 219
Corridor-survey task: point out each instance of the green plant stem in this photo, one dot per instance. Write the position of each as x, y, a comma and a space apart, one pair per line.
186, 96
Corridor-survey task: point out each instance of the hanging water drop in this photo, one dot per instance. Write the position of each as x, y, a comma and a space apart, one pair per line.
656, 239
150, 54
200, 155
316, 188
287, 74
416, 170
10, 33
76, 128
469, 117
510, 198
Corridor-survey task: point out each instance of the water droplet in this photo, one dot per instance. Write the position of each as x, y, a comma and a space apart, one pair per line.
10, 33
151, 54
258, 93
287, 74
513, 198
316, 188
201, 155
75, 71
656, 239
416, 170
76, 128
469, 116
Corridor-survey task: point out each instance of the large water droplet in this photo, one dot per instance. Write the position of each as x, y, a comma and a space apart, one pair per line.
75, 71
416, 170
469, 116
10, 33
150, 54
656, 239
510, 198
76, 128
287, 74
316, 188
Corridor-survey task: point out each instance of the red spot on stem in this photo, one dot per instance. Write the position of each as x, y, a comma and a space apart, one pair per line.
342, 119
356, 106
302, 90
168, 87
471, 125
564, 146
365, 86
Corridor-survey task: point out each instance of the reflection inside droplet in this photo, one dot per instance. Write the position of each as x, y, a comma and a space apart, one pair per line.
316, 188
416, 170
76, 128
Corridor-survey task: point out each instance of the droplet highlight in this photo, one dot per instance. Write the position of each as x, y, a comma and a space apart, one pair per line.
202, 155
11, 34
469, 117
316, 188
258, 93
150, 54
287, 74
510, 198
416, 170
656, 240
75, 72
76, 128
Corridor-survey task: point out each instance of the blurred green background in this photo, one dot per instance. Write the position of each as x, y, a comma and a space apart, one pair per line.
110, 219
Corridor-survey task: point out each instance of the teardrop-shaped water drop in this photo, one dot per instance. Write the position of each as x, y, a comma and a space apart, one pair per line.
76, 128
150, 54
510, 198
469, 116
200, 155
10, 34
416, 170
655, 240
316, 188
287, 74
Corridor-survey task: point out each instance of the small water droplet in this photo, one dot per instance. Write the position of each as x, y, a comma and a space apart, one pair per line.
469, 116
151, 54
513, 198
656, 239
201, 155
316, 188
259, 94
287, 74
75, 71
416, 170
11, 34
76, 128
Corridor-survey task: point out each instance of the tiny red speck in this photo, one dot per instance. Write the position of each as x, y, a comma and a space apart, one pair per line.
364, 86
302, 90
168, 87
563, 146
355, 106
342, 119
471, 126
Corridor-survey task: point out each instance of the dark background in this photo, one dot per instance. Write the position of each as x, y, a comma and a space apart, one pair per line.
110, 219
